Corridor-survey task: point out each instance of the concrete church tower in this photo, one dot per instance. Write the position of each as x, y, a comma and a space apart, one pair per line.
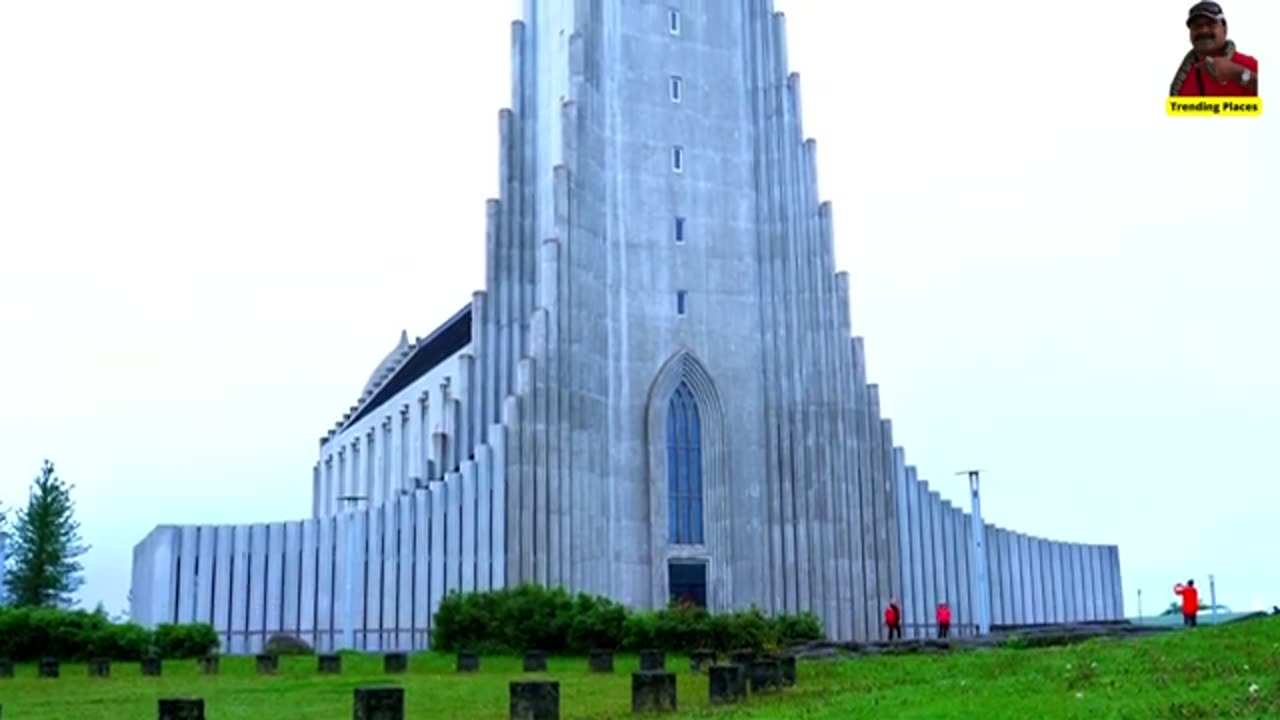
656, 396
659, 248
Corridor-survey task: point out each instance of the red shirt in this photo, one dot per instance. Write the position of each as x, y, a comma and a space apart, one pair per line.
944, 615
890, 616
1191, 86
1190, 599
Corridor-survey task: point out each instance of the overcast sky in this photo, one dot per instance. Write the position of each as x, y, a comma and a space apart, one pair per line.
217, 218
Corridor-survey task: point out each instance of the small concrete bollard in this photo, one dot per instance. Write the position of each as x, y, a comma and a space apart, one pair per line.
742, 657
535, 661
468, 661
600, 661
210, 664
535, 700
652, 660
49, 667
6, 668
267, 663
329, 664
653, 691
787, 670
766, 675
99, 667
379, 703
728, 683
700, 660
180, 709
395, 663
151, 666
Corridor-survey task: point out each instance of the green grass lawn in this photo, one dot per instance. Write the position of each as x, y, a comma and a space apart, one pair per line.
1204, 673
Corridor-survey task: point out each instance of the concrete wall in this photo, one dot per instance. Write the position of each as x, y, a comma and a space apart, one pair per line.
1031, 580
250, 581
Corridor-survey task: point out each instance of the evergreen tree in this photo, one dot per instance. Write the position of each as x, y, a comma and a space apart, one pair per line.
45, 546
4, 556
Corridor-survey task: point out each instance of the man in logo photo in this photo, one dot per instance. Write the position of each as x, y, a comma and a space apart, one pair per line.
1213, 67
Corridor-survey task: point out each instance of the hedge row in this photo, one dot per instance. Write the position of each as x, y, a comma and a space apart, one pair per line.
27, 634
531, 617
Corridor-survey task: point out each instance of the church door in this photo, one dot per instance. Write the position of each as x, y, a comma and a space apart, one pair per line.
687, 582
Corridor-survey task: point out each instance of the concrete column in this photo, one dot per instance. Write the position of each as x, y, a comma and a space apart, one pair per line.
467, 525
1008, 578
884, 587
1069, 584
916, 568
285, 574
326, 589
454, 556
1118, 590
307, 580
1092, 609
506, 281
484, 514
437, 505
406, 552
964, 612
893, 556
184, 608
206, 539
773, 345
514, 514
929, 553
420, 563
533, 558
1099, 582
1078, 585
498, 522
903, 515
257, 586
994, 608
866, 497
1053, 593
370, 617
949, 576
941, 562
840, 434
389, 592
395, 439
1037, 581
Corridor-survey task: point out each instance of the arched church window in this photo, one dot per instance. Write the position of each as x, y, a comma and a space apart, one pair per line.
684, 469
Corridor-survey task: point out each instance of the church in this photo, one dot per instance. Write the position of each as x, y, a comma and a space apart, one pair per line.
656, 395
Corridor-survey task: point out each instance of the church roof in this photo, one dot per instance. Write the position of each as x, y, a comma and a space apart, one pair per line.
388, 364
407, 362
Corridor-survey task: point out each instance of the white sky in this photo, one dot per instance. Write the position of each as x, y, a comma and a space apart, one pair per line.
215, 219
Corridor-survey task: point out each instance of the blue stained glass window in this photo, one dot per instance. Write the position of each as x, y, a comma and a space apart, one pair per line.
684, 469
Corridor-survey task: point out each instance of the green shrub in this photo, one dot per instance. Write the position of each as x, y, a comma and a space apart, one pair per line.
529, 617
182, 642
285, 644
27, 634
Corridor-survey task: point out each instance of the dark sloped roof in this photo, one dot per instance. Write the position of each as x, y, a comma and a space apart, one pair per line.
427, 353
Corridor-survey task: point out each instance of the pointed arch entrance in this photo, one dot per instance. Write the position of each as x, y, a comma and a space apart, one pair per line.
688, 486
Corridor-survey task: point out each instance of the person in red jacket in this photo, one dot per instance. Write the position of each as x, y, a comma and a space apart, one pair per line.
944, 619
893, 619
1213, 66
1190, 601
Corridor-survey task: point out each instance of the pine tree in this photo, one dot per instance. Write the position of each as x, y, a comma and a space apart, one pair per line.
46, 544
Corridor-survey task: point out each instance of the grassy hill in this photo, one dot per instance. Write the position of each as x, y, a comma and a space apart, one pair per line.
1229, 671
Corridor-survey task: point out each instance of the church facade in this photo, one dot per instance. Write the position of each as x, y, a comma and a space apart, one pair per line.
656, 395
